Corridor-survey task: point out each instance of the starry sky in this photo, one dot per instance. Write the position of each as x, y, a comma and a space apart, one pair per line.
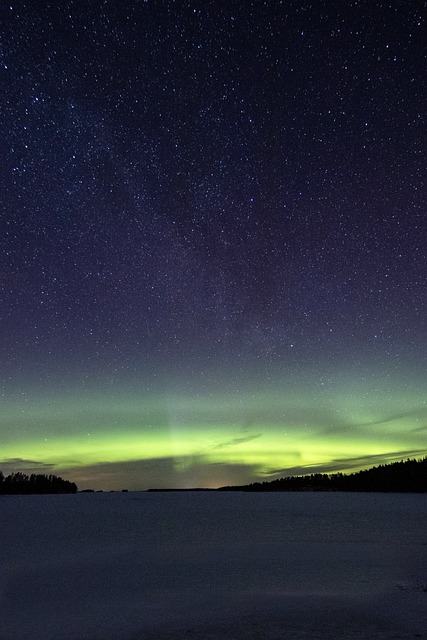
212, 239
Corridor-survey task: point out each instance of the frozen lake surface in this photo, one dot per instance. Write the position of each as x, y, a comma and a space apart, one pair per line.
145, 566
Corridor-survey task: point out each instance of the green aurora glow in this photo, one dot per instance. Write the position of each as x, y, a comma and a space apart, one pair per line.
212, 240
212, 439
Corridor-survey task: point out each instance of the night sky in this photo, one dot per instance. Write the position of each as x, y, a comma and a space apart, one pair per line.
212, 239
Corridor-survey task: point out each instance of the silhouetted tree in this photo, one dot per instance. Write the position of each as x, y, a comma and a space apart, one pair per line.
403, 476
20, 483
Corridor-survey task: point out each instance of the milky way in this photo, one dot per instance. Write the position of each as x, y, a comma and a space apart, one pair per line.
213, 239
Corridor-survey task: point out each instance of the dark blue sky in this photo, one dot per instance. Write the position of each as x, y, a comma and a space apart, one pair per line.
202, 198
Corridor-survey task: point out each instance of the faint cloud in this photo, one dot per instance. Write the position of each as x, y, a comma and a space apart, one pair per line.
340, 426
423, 428
420, 412
236, 441
345, 464
13, 465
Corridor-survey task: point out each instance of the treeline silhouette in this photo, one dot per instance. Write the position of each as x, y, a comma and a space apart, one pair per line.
404, 476
20, 483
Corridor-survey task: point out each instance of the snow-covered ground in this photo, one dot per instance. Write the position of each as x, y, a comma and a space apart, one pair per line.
145, 566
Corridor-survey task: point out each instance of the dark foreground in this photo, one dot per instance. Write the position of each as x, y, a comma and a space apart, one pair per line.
212, 565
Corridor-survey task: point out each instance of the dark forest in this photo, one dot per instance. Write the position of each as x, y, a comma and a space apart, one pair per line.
21, 483
404, 476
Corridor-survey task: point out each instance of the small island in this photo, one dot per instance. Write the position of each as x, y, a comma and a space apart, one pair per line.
22, 484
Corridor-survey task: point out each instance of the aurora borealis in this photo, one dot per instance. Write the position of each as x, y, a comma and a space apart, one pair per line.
212, 240
194, 440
